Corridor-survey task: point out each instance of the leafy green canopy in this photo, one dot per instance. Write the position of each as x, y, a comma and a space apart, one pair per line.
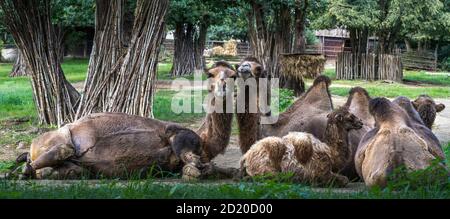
414, 19
197, 11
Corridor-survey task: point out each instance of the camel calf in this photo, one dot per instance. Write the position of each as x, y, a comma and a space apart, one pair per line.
311, 160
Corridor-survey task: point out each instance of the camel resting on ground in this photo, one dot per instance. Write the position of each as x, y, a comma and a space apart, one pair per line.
398, 139
106, 144
309, 159
119, 145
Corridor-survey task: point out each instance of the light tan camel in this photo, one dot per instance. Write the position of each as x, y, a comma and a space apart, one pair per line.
398, 139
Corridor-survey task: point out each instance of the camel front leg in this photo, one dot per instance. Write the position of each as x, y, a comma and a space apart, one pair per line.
67, 170
55, 156
212, 170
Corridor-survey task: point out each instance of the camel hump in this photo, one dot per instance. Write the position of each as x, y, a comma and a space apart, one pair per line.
322, 79
407, 135
359, 90
303, 145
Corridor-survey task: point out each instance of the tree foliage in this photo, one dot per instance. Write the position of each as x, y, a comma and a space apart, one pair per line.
390, 20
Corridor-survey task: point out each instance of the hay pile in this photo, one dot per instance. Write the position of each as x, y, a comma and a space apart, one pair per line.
218, 51
228, 49
299, 66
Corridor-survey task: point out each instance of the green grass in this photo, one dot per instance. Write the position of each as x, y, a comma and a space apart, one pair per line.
162, 107
151, 189
435, 86
16, 99
422, 77
75, 69
164, 69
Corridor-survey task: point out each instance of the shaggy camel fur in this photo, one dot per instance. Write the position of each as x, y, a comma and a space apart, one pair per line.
215, 130
427, 109
307, 157
358, 104
307, 114
398, 139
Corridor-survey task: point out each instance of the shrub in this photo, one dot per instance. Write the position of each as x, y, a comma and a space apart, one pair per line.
445, 64
434, 177
286, 98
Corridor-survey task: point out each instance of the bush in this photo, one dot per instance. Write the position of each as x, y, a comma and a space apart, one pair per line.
286, 98
434, 177
445, 64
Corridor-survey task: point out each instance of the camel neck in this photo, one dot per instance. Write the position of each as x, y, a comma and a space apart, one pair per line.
337, 139
216, 132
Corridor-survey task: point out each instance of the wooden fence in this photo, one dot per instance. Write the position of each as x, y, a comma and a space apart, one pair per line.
424, 60
351, 66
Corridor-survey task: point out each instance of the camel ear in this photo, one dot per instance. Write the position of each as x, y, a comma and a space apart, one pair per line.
440, 107
415, 104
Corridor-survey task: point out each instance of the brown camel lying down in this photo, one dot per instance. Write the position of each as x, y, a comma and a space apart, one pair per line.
118, 145
107, 144
309, 159
399, 139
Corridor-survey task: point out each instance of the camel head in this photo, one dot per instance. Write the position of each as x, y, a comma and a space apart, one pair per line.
344, 119
427, 109
250, 67
218, 75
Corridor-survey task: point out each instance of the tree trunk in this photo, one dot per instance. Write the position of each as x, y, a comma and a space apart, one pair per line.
30, 24
199, 45
134, 89
107, 51
262, 40
19, 68
408, 45
184, 55
59, 37
300, 20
